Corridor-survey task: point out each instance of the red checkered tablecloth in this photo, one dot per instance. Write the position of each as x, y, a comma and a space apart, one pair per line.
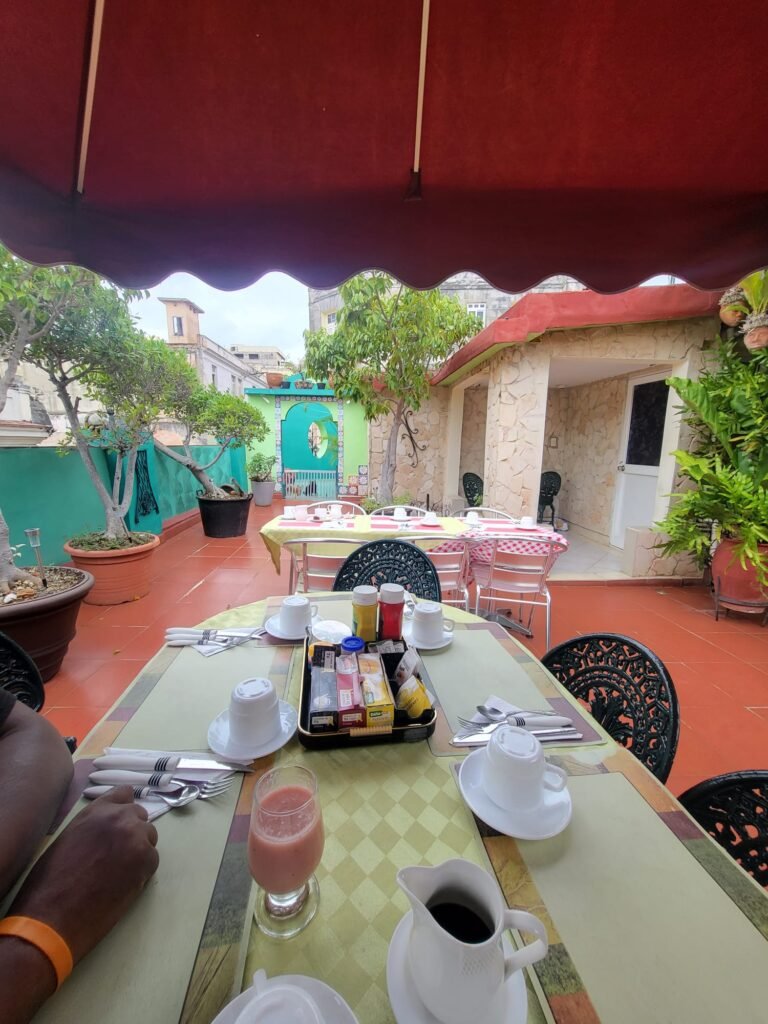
481, 544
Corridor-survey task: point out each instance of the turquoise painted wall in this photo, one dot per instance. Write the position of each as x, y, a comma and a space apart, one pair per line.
40, 488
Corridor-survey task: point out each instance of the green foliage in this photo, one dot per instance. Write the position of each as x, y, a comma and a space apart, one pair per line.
387, 339
755, 289
726, 472
260, 466
100, 542
204, 410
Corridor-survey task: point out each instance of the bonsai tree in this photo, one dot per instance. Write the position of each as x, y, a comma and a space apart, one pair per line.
233, 421
387, 339
94, 349
34, 304
726, 470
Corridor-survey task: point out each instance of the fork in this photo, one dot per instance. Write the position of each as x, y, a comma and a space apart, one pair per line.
185, 795
521, 721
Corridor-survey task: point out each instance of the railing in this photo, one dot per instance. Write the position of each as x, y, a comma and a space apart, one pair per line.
314, 484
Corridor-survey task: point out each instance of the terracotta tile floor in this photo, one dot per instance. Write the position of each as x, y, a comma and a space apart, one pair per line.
720, 669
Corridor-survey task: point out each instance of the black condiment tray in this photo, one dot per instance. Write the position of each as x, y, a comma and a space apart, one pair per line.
404, 730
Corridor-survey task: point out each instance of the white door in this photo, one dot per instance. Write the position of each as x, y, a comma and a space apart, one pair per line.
639, 455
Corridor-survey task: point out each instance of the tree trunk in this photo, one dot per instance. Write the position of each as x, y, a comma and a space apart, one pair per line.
209, 487
9, 573
387, 481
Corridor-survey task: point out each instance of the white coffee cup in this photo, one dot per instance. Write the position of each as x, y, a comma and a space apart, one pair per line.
430, 519
335, 511
400, 512
254, 713
429, 626
289, 512
301, 511
527, 522
515, 771
296, 613
275, 1002
473, 518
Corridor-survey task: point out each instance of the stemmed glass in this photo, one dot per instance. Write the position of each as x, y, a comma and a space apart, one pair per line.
285, 844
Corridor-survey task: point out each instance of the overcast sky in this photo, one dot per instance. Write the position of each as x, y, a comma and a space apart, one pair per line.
271, 312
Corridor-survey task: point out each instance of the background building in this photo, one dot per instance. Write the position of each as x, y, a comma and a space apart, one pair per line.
472, 291
262, 357
214, 364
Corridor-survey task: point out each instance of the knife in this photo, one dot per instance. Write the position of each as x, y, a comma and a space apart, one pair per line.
117, 778
145, 793
171, 763
479, 739
531, 722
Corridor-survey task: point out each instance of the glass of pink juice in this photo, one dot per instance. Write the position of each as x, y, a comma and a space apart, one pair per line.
285, 844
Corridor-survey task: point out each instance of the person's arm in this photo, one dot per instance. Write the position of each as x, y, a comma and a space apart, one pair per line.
35, 770
81, 887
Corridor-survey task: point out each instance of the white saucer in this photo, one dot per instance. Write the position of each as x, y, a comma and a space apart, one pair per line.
330, 630
408, 1007
548, 819
272, 626
408, 637
333, 1008
219, 742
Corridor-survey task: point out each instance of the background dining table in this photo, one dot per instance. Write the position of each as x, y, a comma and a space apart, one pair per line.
648, 920
279, 531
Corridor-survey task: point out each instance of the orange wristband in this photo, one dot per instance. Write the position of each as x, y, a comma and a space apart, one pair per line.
47, 940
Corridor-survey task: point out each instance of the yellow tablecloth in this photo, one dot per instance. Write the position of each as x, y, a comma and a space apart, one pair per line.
276, 532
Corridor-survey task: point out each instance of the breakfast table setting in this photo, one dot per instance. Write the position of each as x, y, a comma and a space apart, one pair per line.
497, 859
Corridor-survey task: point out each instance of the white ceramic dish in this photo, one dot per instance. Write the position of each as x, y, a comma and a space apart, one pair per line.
272, 626
549, 818
219, 741
330, 1004
404, 999
408, 637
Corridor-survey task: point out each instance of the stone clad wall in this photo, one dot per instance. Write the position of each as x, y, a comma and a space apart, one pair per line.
473, 432
427, 476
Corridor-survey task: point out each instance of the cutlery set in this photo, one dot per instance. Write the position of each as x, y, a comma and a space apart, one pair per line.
547, 726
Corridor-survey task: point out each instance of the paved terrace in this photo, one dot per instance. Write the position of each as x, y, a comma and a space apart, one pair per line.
720, 669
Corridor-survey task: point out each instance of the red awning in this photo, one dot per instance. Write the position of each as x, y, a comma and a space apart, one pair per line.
604, 139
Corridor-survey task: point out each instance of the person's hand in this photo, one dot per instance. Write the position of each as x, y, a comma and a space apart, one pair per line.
87, 879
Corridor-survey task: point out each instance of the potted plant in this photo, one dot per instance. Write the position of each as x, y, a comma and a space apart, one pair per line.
95, 351
722, 513
262, 482
38, 608
732, 303
753, 309
232, 421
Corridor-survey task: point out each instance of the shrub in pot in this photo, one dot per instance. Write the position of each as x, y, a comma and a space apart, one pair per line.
232, 421
750, 309
260, 474
96, 346
722, 513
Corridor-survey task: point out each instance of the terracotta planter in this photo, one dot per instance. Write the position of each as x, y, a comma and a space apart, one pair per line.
274, 380
756, 338
122, 575
731, 317
737, 586
46, 626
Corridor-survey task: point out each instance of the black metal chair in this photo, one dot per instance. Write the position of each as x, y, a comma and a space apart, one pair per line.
472, 485
627, 689
733, 809
20, 676
390, 561
549, 488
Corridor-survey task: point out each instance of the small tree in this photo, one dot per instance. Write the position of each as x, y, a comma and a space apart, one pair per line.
94, 344
233, 421
387, 340
33, 303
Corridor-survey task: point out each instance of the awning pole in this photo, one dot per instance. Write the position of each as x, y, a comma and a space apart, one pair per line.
414, 187
93, 63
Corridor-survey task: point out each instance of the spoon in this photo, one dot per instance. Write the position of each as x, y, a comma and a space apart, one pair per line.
495, 715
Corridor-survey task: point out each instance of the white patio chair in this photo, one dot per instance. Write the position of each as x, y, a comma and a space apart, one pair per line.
452, 566
347, 507
315, 561
484, 512
388, 510
517, 579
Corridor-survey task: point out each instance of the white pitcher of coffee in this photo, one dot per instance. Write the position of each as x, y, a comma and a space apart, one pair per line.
455, 954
